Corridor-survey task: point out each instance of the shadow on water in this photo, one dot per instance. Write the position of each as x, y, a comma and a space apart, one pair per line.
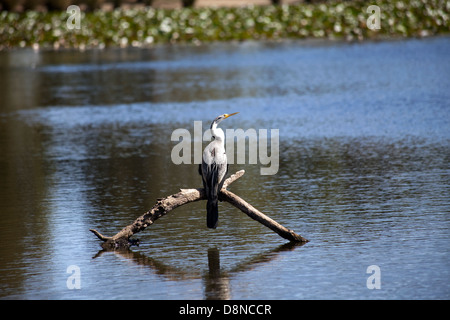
216, 281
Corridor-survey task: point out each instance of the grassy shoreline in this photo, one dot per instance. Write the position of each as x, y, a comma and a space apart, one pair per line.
146, 27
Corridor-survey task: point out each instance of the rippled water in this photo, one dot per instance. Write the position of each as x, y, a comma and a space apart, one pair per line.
364, 171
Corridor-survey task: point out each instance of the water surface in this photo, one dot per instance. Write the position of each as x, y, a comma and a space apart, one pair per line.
364, 170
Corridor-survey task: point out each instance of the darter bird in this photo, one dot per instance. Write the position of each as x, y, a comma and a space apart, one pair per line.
213, 170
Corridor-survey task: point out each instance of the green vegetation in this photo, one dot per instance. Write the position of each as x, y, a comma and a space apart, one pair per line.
148, 26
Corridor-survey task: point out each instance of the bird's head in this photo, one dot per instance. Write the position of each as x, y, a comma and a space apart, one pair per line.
222, 117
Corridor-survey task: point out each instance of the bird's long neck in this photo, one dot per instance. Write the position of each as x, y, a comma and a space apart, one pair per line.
217, 133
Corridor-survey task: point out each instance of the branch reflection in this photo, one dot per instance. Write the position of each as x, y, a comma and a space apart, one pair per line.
216, 281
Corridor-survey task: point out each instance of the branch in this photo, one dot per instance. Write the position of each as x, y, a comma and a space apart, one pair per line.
185, 196
99, 235
233, 178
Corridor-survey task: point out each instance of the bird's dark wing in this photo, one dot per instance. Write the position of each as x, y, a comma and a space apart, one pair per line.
210, 177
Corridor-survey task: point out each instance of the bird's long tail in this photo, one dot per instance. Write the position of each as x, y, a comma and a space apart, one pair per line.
212, 215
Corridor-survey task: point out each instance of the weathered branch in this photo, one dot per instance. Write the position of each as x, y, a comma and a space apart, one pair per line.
165, 205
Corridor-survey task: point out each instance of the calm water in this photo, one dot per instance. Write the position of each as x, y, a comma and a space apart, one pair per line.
364, 171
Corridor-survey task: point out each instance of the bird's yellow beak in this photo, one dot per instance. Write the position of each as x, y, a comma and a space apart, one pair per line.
229, 115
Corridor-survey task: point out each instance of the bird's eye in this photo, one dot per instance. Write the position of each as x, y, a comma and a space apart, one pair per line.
214, 137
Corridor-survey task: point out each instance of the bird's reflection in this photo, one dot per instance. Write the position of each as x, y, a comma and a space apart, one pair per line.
216, 280
217, 283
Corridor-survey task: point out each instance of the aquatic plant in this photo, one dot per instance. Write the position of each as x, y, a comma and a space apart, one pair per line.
148, 26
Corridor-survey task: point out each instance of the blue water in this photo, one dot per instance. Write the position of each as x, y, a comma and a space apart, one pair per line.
364, 170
